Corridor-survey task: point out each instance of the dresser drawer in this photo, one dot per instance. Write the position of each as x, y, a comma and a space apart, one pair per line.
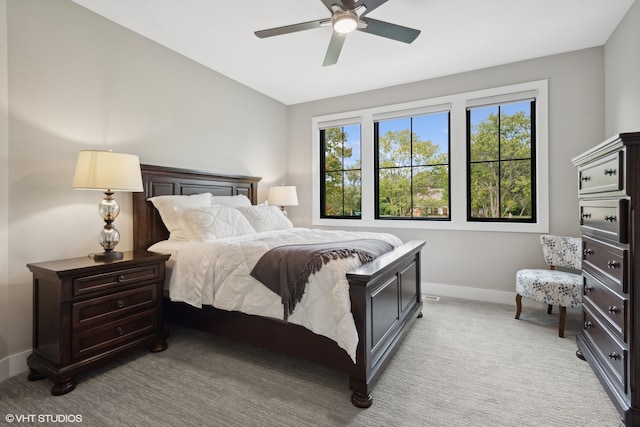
605, 261
111, 335
602, 175
605, 218
613, 309
114, 306
610, 353
105, 281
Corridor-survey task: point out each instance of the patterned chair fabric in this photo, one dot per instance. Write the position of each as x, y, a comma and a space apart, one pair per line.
553, 287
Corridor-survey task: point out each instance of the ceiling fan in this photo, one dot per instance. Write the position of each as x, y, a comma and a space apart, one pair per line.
347, 16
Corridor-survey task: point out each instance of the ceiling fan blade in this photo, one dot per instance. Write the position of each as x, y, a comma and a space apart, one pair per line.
291, 28
389, 30
370, 5
329, 3
335, 47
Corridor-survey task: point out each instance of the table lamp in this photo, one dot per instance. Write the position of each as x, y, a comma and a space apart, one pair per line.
108, 172
283, 195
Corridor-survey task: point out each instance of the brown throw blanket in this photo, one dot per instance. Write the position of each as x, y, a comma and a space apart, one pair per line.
286, 269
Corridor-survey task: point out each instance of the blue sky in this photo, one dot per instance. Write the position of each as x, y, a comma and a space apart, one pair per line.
433, 127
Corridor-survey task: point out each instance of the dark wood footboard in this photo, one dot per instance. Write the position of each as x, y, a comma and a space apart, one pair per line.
385, 300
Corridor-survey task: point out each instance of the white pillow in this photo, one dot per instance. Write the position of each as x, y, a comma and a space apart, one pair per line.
231, 201
216, 222
265, 218
167, 205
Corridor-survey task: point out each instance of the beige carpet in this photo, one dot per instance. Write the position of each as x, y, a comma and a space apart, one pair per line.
463, 364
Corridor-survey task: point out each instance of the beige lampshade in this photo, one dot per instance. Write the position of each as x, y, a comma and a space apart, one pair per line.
283, 195
107, 171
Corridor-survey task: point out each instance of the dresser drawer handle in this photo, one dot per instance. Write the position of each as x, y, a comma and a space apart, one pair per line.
613, 309
587, 289
587, 325
614, 356
586, 215
120, 303
587, 252
611, 218
613, 264
610, 171
121, 278
119, 330
585, 178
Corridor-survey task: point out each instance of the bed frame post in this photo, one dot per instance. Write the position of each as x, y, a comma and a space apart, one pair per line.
385, 300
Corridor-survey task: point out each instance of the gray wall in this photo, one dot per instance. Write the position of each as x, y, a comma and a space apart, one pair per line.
4, 197
622, 75
482, 265
77, 81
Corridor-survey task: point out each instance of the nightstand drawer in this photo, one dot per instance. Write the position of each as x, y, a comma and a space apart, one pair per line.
111, 335
603, 175
605, 261
104, 281
111, 307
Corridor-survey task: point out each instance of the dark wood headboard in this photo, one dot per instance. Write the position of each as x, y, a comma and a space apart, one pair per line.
163, 181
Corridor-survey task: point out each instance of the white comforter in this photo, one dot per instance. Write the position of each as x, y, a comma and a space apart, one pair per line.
217, 273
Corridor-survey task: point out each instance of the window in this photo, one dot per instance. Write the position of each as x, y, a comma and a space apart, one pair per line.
341, 185
501, 166
467, 161
412, 167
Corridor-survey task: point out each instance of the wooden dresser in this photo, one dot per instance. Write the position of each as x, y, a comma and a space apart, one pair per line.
86, 313
609, 193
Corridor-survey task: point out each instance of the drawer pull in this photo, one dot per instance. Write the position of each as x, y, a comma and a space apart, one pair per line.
121, 278
587, 325
586, 215
613, 309
587, 252
614, 356
587, 289
612, 264
120, 303
611, 218
585, 178
610, 171
119, 330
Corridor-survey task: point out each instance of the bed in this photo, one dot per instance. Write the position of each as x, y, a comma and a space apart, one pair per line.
384, 294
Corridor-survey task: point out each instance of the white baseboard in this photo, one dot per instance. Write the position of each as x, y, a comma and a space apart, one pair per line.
476, 294
13, 365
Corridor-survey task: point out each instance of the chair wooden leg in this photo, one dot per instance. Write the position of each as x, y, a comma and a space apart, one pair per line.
549, 308
518, 305
563, 316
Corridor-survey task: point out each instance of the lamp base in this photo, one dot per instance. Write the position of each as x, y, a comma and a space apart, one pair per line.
108, 256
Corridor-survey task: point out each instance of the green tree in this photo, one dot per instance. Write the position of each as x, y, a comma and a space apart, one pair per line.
413, 176
501, 176
342, 175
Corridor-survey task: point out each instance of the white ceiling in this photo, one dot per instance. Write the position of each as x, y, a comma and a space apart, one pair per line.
457, 36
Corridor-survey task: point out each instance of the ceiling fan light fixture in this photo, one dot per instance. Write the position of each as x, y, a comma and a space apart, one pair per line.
344, 22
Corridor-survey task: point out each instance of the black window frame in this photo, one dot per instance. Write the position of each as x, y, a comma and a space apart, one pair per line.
533, 160
323, 171
376, 171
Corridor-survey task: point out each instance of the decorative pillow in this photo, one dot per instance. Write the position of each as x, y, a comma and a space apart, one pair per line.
231, 201
266, 218
167, 205
216, 222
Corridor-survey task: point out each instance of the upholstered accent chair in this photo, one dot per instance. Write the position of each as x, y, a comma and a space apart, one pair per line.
552, 286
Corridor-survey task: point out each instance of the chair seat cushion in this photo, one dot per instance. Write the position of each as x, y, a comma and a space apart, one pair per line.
550, 287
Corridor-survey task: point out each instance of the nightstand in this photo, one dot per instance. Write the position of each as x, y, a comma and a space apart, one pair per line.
87, 313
